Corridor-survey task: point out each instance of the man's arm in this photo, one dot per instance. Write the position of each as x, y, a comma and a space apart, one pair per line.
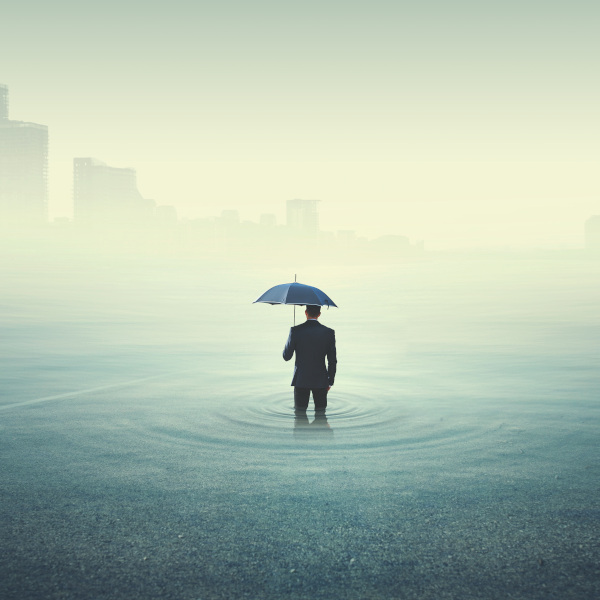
290, 345
331, 360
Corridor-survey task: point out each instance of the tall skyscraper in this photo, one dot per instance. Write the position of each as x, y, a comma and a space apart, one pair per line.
107, 195
302, 216
23, 169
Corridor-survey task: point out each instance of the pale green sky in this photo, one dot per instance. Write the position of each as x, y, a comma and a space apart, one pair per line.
459, 123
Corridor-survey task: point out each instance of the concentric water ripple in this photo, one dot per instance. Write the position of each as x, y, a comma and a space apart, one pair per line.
359, 421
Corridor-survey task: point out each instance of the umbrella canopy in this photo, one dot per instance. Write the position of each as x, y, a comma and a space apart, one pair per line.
297, 294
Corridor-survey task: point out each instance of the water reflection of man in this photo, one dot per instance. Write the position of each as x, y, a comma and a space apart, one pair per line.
319, 429
312, 342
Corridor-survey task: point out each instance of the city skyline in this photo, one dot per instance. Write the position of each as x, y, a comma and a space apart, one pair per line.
459, 125
108, 196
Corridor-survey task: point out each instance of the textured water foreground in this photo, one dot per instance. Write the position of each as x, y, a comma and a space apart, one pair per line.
149, 449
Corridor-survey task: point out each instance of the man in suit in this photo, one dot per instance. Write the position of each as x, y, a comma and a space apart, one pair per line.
311, 342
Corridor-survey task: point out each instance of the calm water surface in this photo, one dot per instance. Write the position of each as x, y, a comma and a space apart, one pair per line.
155, 394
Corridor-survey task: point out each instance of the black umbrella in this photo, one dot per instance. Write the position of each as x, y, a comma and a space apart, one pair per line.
297, 294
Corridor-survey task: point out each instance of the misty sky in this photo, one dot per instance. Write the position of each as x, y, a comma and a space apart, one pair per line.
456, 123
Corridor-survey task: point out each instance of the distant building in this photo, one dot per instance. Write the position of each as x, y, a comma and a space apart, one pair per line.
23, 168
346, 236
302, 216
392, 245
267, 220
592, 233
166, 215
230, 217
3, 102
103, 194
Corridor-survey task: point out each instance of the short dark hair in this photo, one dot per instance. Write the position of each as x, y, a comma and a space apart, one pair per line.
313, 310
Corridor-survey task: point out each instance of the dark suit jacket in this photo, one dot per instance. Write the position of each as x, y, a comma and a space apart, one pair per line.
312, 342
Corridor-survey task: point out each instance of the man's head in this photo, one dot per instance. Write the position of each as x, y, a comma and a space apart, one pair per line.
312, 311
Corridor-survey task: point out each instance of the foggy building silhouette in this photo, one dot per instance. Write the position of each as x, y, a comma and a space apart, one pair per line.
346, 237
267, 220
302, 216
104, 194
166, 214
230, 217
23, 168
592, 233
3, 102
